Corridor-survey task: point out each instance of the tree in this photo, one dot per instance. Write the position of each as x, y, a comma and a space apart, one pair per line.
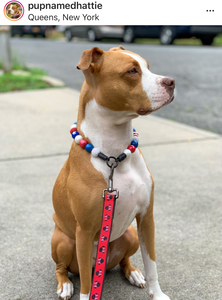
5, 48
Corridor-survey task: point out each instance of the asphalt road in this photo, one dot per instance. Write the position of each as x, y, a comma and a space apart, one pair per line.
196, 69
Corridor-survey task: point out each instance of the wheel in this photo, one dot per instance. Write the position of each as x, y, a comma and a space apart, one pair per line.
68, 35
167, 36
207, 39
129, 35
91, 35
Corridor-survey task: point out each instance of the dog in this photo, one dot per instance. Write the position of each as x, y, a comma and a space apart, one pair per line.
13, 10
118, 87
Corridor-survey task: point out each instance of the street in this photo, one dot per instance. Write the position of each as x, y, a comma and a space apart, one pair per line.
197, 71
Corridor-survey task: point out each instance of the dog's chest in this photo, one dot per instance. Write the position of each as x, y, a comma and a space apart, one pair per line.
134, 183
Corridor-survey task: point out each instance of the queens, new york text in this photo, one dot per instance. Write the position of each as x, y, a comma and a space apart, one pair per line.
65, 17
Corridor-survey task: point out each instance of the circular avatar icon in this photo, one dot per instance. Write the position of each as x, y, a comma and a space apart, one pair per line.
14, 10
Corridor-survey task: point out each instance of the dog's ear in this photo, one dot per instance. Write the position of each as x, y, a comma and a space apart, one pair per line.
90, 58
18, 5
117, 48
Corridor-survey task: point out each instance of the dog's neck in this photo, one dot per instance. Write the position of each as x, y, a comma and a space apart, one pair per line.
108, 130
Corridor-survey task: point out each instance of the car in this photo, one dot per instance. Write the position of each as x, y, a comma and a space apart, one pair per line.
93, 33
167, 34
29, 30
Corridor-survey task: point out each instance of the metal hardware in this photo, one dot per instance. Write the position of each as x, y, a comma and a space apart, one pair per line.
115, 161
110, 188
114, 190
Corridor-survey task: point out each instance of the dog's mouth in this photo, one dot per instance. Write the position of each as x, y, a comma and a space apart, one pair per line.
170, 100
144, 112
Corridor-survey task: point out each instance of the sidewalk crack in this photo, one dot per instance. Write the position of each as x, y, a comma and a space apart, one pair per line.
141, 146
33, 157
180, 141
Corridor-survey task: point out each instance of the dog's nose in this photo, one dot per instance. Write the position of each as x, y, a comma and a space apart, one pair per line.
168, 82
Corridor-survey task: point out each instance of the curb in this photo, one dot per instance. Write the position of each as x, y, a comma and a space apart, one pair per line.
187, 127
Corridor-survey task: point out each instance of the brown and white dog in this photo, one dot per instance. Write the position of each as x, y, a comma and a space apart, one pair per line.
13, 10
118, 87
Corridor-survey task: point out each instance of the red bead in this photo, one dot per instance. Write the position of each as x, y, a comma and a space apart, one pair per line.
83, 143
73, 129
131, 148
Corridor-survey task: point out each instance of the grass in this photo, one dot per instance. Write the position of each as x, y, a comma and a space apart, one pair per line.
55, 35
10, 82
218, 40
189, 109
189, 42
18, 63
13, 82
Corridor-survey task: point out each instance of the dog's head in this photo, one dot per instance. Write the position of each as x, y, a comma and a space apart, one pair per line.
121, 81
13, 9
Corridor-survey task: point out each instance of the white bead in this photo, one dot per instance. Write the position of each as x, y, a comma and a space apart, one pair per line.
127, 152
136, 138
95, 152
78, 138
74, 126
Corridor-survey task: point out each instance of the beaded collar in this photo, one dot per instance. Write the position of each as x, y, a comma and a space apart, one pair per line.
97, 153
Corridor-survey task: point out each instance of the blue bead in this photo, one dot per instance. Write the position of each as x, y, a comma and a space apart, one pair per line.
74, 134
89, 147
134, 130
75, 123
134, 143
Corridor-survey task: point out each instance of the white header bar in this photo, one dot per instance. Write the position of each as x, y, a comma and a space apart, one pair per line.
111, 12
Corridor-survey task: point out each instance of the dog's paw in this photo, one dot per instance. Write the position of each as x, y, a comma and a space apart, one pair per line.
136, 278
84, 296
160, 296
66, 291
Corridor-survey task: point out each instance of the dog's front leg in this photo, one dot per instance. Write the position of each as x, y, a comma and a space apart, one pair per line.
146, 232
84, 248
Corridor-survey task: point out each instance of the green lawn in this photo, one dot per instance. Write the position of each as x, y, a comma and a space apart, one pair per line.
18, 63
10, 82
18, 82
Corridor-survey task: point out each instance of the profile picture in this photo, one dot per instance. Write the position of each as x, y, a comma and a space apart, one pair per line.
14, 10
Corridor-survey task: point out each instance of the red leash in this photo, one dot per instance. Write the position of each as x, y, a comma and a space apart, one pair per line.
103, 244
108, 206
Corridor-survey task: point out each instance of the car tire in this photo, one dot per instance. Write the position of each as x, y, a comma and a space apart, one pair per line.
167, 35
68, 35
91, 35
207, 40
129, 35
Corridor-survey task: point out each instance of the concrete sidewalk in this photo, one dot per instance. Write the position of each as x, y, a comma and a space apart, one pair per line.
187, 167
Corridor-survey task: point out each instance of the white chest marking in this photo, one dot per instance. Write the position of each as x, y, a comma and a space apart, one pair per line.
131, 177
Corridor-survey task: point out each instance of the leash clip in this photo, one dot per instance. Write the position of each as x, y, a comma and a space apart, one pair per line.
110, 187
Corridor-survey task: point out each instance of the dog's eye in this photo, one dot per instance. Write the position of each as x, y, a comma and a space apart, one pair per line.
132, 71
